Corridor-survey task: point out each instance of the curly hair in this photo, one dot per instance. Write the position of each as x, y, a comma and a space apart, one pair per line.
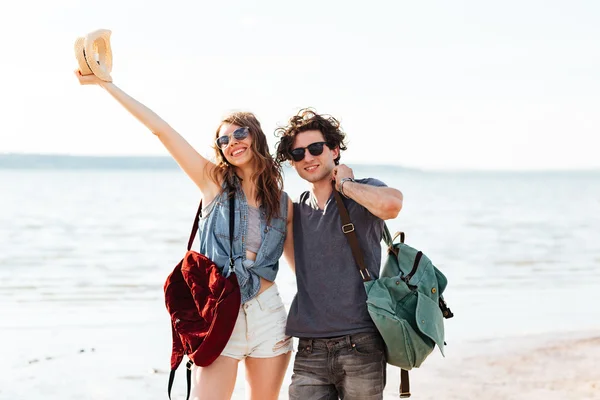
307, 119
267, 176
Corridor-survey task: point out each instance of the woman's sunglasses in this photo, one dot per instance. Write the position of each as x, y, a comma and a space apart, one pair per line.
315, 149
239, 134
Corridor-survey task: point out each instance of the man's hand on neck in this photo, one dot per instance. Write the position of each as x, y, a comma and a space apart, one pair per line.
340, 172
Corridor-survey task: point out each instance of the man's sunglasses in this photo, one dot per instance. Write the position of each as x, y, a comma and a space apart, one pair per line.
315, 149
239, 134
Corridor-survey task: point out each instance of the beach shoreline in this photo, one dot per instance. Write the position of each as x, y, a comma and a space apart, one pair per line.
548, 366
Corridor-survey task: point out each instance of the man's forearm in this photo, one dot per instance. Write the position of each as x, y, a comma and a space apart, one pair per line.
383, 202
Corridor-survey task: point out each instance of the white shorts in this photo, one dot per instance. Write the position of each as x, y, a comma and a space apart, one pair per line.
260, 328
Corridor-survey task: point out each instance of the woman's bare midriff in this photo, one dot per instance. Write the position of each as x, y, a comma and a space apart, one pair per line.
264, 284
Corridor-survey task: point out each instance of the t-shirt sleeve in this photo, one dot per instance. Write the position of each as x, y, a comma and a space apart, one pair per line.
372, 182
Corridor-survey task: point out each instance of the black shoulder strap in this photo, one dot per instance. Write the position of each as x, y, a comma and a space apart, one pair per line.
231, 227
188, 366
188, 376
195, 226
348, 229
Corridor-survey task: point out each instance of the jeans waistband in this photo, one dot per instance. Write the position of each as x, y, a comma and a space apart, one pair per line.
263, 299
335, 343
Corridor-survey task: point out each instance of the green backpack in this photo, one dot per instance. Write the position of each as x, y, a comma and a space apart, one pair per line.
405, 303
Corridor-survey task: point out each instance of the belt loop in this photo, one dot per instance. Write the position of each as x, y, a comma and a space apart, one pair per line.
349, 342
309, 347
259, 303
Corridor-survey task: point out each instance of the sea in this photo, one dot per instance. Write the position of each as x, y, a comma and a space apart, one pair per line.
87, 243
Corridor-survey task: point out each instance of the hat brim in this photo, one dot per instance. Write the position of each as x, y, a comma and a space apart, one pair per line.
94, 54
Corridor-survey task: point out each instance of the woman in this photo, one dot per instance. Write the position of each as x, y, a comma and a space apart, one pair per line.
243, 162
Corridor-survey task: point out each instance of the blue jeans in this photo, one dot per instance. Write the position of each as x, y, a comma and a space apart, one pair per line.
350, 367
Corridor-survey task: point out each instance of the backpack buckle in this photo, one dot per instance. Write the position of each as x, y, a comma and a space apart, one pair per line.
363, 276
348, 228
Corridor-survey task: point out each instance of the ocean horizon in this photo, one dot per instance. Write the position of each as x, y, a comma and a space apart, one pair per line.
159, 162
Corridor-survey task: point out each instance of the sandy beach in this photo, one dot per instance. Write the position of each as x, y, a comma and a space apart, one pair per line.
545, 367
528, 368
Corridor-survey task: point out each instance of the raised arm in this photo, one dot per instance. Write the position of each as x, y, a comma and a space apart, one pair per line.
195, 166
383, 202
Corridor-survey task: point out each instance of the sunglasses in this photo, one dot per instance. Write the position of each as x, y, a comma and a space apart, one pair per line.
315, 149
239, 134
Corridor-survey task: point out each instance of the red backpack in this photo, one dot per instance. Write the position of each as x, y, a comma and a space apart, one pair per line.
203, 305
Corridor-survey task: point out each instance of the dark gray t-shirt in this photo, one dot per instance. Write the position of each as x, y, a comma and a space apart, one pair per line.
331, 298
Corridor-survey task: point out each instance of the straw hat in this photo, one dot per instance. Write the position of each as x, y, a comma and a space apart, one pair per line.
94, 54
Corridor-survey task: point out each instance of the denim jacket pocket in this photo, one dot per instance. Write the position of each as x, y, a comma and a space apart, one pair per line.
274, 237
221, 223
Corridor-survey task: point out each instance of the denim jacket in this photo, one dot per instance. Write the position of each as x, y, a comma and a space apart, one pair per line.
214, 240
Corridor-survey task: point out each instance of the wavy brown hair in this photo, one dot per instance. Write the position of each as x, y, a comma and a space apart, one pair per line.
307, 119
267, 176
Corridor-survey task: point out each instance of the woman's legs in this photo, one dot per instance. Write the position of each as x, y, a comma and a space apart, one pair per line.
260, 332
271, 349
215, 382
265, 376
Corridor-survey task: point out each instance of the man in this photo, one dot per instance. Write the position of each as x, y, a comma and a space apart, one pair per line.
340, 353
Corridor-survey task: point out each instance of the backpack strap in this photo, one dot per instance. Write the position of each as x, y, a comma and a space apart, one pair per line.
404, 384
231, 227
188, 365
188, 376
348, 229
195, 227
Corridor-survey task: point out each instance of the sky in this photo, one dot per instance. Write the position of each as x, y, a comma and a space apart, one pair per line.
439, 85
